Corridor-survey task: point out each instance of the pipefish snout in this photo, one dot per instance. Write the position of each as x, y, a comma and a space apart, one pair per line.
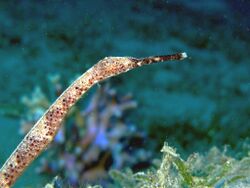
43, 132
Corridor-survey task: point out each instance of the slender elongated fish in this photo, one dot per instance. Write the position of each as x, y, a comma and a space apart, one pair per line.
43, 132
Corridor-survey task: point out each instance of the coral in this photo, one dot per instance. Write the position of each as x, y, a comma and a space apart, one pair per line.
95, 139
36, 104
100, 132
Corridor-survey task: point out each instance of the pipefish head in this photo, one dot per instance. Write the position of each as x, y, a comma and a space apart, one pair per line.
111, 66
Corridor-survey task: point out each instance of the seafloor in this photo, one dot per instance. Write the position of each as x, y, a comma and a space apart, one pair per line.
194, 104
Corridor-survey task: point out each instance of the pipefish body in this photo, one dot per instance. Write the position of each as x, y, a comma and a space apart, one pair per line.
43, 132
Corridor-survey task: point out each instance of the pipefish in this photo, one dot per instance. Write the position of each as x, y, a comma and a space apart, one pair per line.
43, 132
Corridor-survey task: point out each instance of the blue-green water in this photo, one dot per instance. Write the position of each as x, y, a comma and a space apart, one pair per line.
196, 104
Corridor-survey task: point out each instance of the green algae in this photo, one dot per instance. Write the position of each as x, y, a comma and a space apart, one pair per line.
214, 169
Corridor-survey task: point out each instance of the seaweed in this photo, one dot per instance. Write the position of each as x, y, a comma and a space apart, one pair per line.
211, 170
214, 169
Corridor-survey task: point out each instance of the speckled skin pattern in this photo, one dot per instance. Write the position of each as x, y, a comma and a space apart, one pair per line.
47, 126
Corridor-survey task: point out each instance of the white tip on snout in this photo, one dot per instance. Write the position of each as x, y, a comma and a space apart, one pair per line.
183, 55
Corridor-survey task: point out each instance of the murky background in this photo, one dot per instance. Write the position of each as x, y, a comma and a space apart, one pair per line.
123, 122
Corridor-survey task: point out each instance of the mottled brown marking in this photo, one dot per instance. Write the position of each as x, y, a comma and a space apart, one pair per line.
46, 128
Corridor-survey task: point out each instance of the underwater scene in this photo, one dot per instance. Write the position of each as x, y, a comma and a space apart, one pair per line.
183, 123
